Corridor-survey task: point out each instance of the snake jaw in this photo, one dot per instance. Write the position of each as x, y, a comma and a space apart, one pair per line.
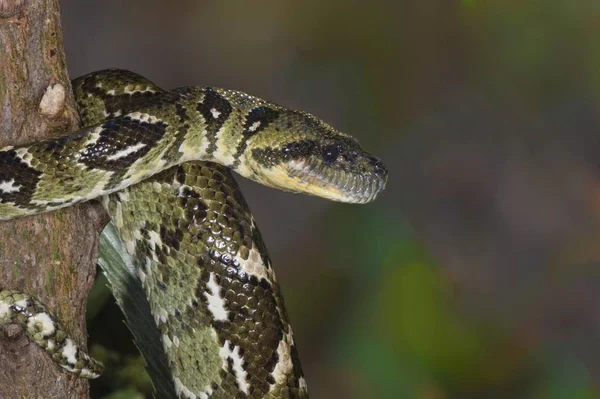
321, 162
356, 179
311, 176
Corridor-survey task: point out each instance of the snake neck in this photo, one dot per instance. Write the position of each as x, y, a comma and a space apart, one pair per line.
277, 147
219, 124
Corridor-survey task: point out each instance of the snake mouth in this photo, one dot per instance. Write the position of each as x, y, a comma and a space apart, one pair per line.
318, 178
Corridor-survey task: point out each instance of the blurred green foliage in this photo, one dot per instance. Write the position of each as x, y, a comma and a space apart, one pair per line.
374, 313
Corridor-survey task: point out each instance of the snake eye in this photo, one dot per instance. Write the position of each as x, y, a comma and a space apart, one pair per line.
331, 153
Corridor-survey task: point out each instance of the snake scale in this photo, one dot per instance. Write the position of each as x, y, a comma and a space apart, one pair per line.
161, 162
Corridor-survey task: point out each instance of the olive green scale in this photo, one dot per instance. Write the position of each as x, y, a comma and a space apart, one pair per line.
194, 245
188, 231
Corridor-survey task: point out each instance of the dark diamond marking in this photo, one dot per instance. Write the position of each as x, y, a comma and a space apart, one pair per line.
256, 121
213, 104
25, 178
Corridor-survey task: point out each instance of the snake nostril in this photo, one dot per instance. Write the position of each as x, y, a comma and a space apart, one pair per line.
378, 167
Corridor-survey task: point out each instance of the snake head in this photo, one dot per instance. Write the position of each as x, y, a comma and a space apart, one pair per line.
298, 152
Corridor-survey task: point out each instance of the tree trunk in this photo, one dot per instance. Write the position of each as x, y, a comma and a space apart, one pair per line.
51, 256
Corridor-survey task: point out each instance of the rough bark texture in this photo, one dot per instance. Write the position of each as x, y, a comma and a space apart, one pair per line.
52, 256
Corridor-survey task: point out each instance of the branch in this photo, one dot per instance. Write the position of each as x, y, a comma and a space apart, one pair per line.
52, 256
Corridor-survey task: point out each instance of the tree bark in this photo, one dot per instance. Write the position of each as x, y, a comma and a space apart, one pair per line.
52, 256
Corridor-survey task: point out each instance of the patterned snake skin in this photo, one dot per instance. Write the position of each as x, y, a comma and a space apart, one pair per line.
161, 162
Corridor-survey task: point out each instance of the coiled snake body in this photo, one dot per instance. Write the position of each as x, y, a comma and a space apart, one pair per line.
161, 162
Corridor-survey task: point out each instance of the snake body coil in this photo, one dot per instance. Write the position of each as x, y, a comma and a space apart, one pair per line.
161, 161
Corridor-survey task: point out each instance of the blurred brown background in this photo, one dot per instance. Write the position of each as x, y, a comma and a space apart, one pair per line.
475, 275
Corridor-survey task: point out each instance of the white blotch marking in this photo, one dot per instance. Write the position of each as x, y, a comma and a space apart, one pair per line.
94, 135
153, 242
69, 351
68, 368
50, 345
215, 113
240, 373
22, 303
127, 151
130, 89
284, 366
142, 117
142, 276
167, 342
24, 155
53, 208
137, 234
302, 384
175, 341
238, 362
208, 391
255, 265
182, 390
9, 186
155, 239
44, 321
111, 92
112, 114
87, 373
216, 303
160, 315
4, 310
254, 126
182, 189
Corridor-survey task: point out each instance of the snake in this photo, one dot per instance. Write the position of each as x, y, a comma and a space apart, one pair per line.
162, 162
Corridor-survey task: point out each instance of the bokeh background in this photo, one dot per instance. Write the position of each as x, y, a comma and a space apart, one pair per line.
476, 274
